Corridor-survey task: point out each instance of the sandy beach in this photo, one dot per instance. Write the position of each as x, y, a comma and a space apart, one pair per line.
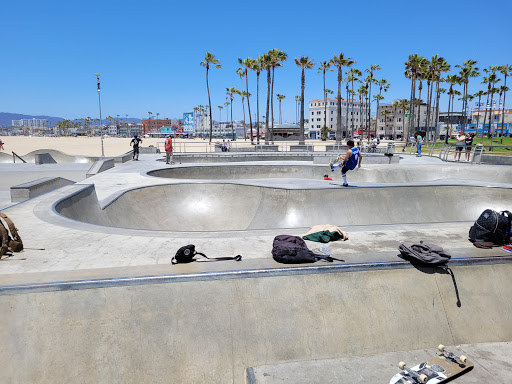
113, 146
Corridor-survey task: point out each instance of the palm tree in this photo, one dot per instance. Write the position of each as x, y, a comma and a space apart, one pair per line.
231, 92
377, 98
210, 59
304, 63
404, 105
478, 94
383, 86
363, 92
412, 66
244, 95
395, 105
297, 101
422, 75
505, 70
467, 70
373, 68
452, 80
324, 67
149, 120
340, 61
280, 97
257, 66
277, 57
353, 74
266, 64
157, 114
248, 64
220, 114
386, 113
493, 79
441, 66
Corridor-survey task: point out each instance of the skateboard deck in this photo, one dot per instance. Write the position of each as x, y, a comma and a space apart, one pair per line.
442, 368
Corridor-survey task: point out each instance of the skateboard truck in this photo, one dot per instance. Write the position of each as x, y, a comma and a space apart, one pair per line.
418, 378
451, 356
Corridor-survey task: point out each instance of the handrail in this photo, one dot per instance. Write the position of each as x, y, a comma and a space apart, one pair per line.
14, 155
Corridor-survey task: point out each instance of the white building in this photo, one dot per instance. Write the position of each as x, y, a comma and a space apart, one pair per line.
357, 116
32, 123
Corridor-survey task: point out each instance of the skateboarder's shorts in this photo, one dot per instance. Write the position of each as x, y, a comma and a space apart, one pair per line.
344, 170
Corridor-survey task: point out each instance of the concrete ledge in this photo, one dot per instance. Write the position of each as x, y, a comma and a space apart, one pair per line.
100, 166
267, 147
335, 147
149, 149
302, 148
44, 158
496, 159
124, 158
37, 187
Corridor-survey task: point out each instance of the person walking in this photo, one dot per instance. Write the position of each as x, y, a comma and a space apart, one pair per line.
135, 143
469, 143
352, 159
169, 158
459, 145
419, 143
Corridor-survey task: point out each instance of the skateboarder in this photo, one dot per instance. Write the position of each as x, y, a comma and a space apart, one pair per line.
352, 159
168, 150
419, 143
135, 143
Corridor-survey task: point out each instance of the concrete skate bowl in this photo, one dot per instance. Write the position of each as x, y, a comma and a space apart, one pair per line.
212, 207
369, 174
58, 156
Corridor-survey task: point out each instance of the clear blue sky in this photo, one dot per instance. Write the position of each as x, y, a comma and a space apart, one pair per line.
148, 52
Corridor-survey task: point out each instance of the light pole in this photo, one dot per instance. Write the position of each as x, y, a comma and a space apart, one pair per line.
99, 103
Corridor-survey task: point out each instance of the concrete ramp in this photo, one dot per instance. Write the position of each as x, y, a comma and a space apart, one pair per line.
226, 207
209, 329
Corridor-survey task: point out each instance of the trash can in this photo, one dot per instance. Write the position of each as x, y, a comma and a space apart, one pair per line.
390, 149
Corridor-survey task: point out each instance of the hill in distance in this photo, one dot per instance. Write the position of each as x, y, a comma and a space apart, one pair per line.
6, 118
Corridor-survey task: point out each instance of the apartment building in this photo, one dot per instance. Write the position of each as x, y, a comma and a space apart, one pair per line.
32, 123
357, 116
392, 120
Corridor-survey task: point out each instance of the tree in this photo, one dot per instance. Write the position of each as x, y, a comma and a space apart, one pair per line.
412, 66
257, 66
505, 70
422, 75
383, 86
220, 114
267, 65
467, 70
404, 105
353, 74
452, 80
304, 63
231, 92
363, 92
248, 63
492, 80
210, 59
385, 113
370, 71
441, 66
276, 60
244, 95
340, 61
297, 101
324, 67
280, 97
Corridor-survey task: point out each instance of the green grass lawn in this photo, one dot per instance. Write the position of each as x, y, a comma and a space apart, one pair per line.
498, 147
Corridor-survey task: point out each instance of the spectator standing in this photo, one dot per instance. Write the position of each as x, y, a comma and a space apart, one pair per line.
168, 150
459, 145
469, 143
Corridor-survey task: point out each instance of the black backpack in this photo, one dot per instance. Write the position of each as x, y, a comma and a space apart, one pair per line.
425, 254
492, 227
293, 250
186, 255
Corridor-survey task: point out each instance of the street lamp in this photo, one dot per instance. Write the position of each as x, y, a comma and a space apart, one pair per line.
99, 103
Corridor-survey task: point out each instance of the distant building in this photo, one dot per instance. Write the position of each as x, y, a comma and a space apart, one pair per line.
391, 121
455, 118
154, 124
357, 116
31, 123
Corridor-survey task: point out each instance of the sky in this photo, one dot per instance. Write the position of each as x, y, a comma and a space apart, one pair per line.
148, 52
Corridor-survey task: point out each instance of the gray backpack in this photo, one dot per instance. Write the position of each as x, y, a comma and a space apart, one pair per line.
426, 254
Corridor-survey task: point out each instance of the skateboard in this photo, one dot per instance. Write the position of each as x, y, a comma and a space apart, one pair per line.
507, 248
445, 366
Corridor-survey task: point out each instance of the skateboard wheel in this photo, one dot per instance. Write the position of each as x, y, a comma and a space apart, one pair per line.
423, 378
401, 365
441, 348
463, 358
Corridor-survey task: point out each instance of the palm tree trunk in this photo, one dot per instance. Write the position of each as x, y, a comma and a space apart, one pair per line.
419, 105
325, 105
369, 122
427, 125
352, 119
485, 116
503, 109
280, 116
361, 114
267, 131
303, 82
449, 127
232, 127
346, 117
210, 104
248, 104
245, 132
257, 110
478, 116
338, 108
272, 107
438, 97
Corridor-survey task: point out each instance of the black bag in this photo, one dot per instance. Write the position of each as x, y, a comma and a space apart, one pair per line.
492, 227
426, 254
293, 250
186, 255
